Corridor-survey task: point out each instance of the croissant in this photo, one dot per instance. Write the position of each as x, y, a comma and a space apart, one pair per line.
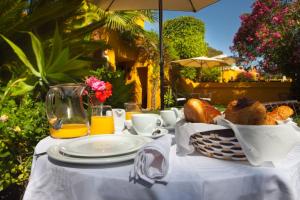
196, 110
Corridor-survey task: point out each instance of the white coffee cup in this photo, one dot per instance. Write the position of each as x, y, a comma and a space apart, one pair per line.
146, 124
170, 117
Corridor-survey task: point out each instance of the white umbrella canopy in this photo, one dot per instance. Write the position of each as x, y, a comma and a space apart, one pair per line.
201, 61
160, 5
228, 59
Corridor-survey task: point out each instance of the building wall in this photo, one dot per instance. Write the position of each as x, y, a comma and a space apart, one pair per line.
223, 93
122, 54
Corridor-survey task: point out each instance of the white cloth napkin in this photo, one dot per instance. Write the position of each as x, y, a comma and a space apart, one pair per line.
184, 130
265, 144
151, 163
262, 145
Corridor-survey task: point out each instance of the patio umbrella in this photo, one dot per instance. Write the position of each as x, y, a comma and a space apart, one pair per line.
160, 5
228, 59
201, 61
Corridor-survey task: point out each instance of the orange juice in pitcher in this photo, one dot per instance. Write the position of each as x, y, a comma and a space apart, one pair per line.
69, 131
65, 112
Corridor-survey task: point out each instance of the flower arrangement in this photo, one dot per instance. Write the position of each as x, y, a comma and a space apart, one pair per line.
102, 90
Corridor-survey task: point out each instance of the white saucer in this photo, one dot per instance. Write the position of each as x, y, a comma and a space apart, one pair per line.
163, 131
169, 128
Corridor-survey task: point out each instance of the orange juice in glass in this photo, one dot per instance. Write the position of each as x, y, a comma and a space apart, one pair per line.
69, 131
102, 121
130, 109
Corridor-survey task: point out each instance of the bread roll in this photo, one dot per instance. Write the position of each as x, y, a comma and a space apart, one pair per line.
270, 120
199, 111
281, 113
246, 112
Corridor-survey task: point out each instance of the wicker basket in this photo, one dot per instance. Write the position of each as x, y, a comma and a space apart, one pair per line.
220, 144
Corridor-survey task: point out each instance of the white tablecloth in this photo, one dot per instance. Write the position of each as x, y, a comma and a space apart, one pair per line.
191, 177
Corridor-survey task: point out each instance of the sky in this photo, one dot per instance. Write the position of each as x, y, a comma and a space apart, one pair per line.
222, 21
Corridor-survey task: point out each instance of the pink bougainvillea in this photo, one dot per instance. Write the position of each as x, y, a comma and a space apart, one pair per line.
271, 35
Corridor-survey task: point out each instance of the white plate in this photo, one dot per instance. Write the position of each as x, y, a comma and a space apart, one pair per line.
102, 145
53, 152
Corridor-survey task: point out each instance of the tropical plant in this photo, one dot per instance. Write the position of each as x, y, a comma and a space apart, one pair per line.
186, 35
169, 99
47, 68
270, 34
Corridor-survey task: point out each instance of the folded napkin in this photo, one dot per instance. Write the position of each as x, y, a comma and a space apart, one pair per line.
151, 163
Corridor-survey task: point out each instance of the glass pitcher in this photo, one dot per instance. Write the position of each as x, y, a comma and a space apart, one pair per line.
65, 112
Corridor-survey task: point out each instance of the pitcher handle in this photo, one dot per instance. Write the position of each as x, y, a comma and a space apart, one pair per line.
54, 121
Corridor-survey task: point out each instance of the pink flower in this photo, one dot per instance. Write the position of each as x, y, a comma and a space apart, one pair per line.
277, 35
91, 80
98, 85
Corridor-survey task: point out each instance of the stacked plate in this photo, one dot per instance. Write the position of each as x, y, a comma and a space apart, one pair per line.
100, 149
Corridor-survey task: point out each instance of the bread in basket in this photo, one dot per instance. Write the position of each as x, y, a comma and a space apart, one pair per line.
243, 115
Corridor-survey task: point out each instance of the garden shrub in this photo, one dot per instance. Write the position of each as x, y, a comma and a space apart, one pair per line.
22, 124
245, 77
186, 35
210, 74
188, 72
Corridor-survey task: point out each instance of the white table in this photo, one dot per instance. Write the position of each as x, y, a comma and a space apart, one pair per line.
190, 177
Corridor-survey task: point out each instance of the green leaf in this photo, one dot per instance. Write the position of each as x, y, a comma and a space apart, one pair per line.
17, 87
22, 88
38, 52
58, 63
18, 51
4, 154
56, 47
60, 77
75, 64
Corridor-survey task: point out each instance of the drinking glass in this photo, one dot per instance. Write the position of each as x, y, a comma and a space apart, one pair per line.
102, 121
131, 108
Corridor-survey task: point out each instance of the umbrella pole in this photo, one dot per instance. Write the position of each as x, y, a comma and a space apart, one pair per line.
161, 58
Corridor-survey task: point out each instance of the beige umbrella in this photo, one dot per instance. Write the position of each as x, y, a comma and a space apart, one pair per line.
160, 5
201, 61
228, 59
